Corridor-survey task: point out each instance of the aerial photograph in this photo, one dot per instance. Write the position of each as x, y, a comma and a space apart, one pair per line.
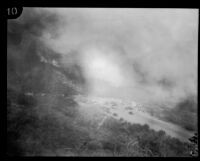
102, 82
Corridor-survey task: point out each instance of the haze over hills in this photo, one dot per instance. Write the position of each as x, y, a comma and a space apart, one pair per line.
78, 87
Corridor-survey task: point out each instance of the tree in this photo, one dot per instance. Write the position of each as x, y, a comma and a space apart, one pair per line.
194, 145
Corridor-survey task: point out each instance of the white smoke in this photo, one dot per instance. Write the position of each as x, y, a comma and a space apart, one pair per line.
146, 55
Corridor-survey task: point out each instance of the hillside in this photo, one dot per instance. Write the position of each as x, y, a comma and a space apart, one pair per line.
55, 123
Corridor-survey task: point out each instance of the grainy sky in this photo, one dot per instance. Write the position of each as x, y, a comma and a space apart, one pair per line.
147, 55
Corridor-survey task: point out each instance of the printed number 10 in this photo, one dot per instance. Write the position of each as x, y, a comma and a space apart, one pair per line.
12, 11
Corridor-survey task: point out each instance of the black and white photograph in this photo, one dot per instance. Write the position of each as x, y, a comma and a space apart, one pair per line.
102, 82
